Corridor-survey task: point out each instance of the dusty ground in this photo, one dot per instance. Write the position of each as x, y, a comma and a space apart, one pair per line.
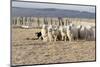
25, 50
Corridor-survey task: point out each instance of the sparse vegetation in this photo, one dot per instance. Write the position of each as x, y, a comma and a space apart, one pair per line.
26, 50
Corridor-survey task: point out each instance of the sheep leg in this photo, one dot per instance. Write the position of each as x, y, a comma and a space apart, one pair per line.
62, 38
77, 39
69, 38
55, 38
65, 38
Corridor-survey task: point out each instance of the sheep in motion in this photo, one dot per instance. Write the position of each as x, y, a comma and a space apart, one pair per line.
69, 32
63, 32
53, 33
44, 32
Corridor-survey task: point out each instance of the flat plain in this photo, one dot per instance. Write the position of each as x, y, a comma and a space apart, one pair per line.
26, 50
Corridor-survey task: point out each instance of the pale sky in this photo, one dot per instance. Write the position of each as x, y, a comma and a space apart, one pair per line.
57, 6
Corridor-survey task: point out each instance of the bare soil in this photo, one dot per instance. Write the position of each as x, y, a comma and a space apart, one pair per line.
26, 50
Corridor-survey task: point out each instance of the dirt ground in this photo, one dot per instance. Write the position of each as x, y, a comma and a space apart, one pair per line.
25, 50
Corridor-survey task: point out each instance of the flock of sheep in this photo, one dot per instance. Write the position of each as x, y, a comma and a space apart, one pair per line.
69, 32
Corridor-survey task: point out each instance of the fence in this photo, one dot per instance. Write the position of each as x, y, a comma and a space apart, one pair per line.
35, 22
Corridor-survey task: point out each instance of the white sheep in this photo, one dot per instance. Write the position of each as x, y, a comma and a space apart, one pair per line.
83, 33
63, 31
94, 35
86, 32
53, 32
90, 33
44, 32
72, 32
78, 28
69, 33
50, 36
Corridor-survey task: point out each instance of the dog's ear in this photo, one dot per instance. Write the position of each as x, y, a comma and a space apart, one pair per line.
39, 32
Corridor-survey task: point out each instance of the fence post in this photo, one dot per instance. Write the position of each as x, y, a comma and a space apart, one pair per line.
15, 20
28, 21
60, 23
38, 21
23, 20
66, 22
18, 21
32, 21
44, 21
51, 21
